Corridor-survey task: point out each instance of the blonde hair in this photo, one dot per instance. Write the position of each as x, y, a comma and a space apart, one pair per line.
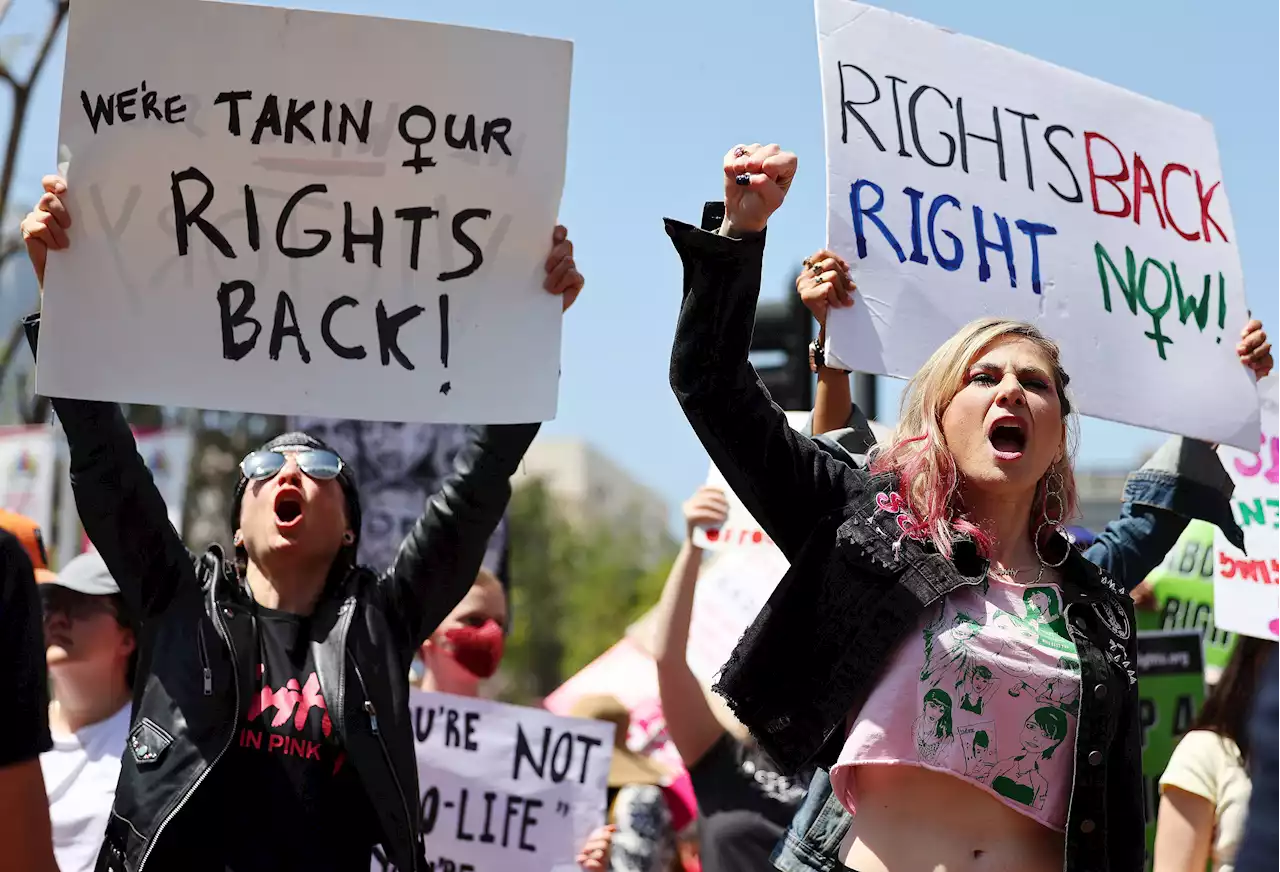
917, 452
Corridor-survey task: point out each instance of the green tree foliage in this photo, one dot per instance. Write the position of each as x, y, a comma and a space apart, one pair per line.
576, 587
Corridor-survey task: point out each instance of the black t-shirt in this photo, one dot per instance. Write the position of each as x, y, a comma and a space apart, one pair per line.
293, 800
745, 806
24, 730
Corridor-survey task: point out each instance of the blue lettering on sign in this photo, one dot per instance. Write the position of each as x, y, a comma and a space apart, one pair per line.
866, 203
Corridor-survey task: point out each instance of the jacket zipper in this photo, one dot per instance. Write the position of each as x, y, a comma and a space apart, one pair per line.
235, 723
205, 671
377, 734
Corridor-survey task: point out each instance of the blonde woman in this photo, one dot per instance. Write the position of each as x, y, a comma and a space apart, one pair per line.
958, 515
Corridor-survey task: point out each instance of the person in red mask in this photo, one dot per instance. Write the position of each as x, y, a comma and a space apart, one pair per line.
465, 650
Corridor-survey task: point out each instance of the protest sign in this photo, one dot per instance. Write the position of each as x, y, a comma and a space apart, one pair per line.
627, 671
27, 457
399, 466
1246, 590
1170, 693
739, 530
731, 591
345, 216
967, 180
1182, 595
167, 454
505, 788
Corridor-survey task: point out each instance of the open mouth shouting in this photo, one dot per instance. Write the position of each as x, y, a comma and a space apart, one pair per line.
288, 507
1008, 437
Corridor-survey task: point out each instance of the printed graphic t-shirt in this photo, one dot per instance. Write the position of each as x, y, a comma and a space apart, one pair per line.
988, 690
745, 806
293, 800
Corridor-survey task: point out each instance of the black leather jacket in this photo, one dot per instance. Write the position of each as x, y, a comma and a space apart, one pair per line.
857, 584
196, 642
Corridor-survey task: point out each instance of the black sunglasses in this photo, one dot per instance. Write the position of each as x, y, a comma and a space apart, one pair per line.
315, 462
55, 599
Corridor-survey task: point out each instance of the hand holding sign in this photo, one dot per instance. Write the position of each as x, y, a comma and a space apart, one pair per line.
707, 509
756, 180
1254, 349
825, 282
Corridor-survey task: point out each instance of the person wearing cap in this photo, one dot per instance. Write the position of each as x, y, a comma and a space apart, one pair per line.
465, 650
270, 726
25, 840
644, 839
92, 651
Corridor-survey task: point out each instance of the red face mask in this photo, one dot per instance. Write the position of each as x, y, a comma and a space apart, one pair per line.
478, 649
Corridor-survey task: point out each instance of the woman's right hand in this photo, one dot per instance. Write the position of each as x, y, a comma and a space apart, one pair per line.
45, 227
706, 508
824, 282
756, 180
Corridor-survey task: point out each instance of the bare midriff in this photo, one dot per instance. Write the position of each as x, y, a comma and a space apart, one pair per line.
911, 819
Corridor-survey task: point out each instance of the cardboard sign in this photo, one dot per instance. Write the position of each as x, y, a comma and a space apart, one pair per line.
967, 180
1247, 587
276, 229
1182, 587
1170, 693
505, 788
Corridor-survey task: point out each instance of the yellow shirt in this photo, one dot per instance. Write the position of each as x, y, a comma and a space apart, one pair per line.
1208, 765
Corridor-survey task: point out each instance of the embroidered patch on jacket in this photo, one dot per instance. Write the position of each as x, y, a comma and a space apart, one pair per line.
147, 741
1113, 618
1120, 657
894, 503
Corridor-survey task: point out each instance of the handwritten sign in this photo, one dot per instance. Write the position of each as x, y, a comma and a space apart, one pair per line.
1246, 589
739, 530
505, 788
965, 179
277, 229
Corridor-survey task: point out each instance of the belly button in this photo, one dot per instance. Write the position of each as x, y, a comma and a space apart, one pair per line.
977, 855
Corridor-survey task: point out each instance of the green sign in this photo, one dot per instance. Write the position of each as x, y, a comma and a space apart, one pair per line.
1170, 693
1183, 591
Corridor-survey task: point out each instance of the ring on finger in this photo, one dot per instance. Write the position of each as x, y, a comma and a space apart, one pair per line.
740, 151
816, 268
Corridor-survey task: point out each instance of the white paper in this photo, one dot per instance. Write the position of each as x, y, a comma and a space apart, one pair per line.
730, 593
128, 317
1246, 589
913, 299
545, 776
27, 457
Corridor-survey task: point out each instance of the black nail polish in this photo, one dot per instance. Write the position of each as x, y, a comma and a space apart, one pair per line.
743, 179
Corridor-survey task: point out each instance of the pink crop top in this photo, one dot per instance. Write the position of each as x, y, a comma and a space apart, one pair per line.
987, 689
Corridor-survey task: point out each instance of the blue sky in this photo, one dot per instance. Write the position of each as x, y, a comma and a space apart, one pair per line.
662, 89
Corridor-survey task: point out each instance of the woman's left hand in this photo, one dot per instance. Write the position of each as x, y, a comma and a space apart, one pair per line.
1254, 349
563, 277
594, 856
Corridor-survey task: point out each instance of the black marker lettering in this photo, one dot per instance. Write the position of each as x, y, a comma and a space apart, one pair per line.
355, 352
279, 330
182, 218
389, 329
461, 237
231, 348
232, 99
323, 235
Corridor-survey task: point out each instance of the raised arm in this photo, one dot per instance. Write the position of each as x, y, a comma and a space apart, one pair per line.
121, 509
786, 482
691, 723
438, 561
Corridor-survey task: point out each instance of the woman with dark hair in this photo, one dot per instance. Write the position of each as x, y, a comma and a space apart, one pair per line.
956, 514
1204, 792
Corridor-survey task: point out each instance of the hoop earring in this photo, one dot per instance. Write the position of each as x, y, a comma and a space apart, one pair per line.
237, 539
348, 538
1054, 488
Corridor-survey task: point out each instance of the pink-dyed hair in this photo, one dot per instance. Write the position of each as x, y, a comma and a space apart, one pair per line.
917, 451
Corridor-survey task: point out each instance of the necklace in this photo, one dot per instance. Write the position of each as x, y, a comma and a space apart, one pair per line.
1011, 575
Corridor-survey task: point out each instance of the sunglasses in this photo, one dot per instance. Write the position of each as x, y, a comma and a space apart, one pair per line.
318, 464
75, 605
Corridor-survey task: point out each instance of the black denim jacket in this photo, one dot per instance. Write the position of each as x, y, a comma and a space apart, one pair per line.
857, 584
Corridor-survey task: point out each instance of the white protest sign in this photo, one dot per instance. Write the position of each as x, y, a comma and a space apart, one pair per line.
739, 530
344, 216
167, 454
506, 788
730, 593
27, 457
965, 180
1246, 589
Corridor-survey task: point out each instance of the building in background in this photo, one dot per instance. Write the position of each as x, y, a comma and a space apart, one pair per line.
588, 486
1101, 491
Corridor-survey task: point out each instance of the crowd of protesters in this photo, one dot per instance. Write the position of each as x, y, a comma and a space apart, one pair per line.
944, 679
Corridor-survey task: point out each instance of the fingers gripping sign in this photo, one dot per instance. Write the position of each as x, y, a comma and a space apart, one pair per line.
756, 181
45, 227
825, 282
